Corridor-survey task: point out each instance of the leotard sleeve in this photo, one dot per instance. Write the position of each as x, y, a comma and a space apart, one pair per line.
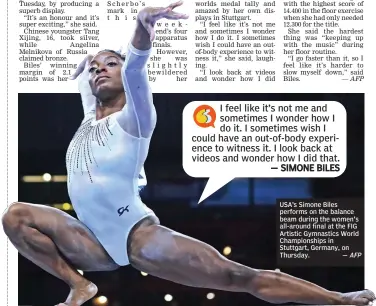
138, 117
87, 97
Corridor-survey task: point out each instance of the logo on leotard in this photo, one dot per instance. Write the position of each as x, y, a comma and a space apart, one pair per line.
121, 210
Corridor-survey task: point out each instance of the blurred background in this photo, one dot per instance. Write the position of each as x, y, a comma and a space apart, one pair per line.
238, 220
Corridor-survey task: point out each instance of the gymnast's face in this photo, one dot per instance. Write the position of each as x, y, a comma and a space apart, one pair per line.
105, 75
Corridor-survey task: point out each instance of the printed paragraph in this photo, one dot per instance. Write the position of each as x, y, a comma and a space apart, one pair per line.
170, 59
234, 41
54, 37
234, 44
320, 232
224, 140
323, 39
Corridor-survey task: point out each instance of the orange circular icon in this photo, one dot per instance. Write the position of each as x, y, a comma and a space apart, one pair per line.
204, 116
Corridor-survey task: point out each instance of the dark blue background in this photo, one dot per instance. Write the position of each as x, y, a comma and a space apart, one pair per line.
241, 214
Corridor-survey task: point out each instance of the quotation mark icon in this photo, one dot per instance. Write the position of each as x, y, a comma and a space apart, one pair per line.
204, 116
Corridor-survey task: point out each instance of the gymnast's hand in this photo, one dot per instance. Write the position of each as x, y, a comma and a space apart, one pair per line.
82, 67
82, 73
150, 15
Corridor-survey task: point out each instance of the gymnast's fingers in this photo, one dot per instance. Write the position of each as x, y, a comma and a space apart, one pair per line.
81, 67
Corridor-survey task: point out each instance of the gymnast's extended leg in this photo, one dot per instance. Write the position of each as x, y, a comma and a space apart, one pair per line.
164, 253
48, 236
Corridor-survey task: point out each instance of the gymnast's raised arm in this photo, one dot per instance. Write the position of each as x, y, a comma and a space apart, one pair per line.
138, 116
136, 112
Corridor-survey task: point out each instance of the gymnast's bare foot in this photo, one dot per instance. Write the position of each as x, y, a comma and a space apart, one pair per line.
365, 297
80, 294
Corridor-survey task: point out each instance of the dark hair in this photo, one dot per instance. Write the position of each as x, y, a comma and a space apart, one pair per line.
114, 52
